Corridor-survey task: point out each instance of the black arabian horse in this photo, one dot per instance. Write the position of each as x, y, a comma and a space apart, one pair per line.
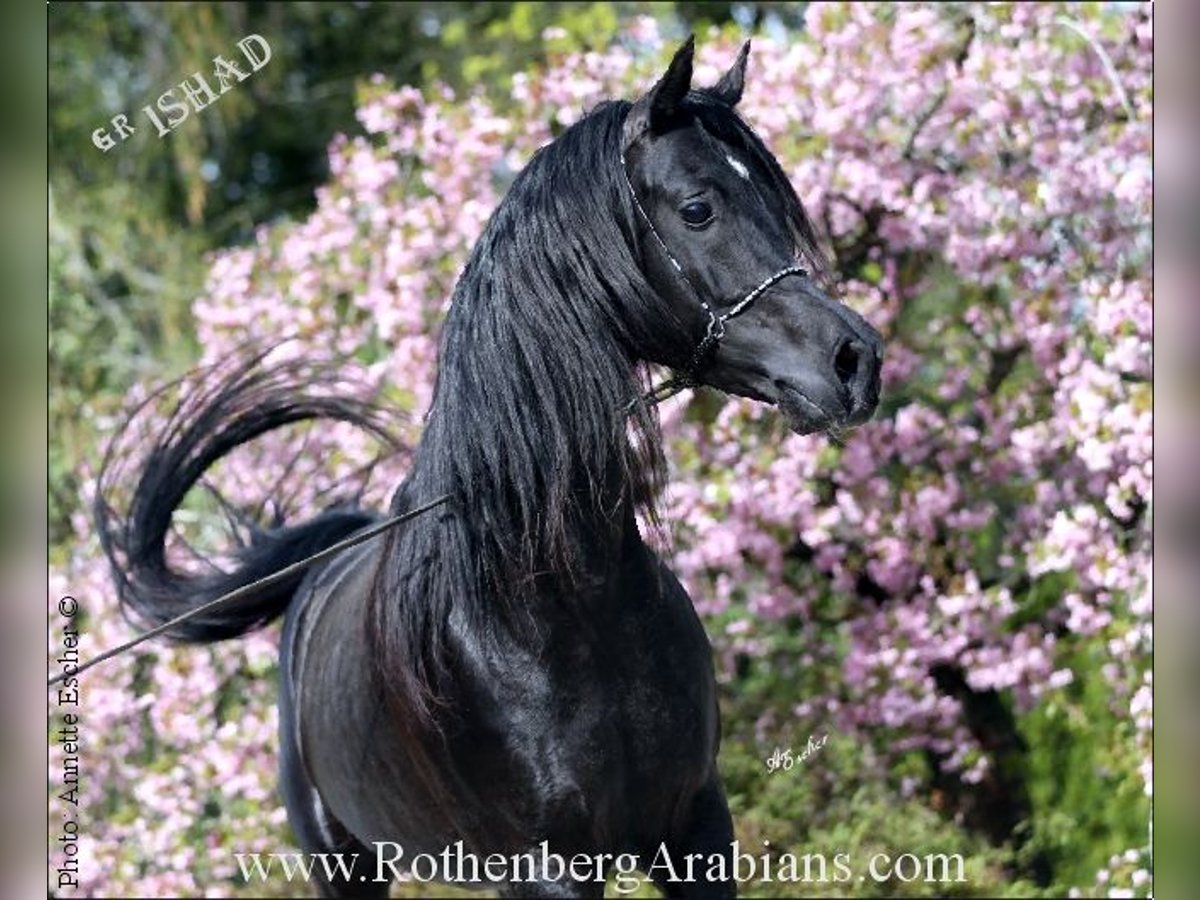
517, 671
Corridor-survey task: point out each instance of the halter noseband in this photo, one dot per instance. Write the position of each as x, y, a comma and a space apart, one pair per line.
716, 323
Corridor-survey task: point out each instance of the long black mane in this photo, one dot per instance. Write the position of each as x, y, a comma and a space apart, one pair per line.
529, 429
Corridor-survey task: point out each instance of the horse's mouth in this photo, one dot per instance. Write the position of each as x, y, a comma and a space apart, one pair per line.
803, 415
806, 415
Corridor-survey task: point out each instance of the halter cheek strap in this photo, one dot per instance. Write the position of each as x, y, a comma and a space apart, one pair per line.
715, 329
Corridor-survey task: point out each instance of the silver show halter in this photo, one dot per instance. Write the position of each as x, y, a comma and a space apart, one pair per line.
716, 323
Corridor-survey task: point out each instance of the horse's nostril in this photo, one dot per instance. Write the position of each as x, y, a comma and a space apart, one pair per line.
845, 362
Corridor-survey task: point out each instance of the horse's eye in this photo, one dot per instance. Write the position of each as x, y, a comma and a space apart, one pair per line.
696, 213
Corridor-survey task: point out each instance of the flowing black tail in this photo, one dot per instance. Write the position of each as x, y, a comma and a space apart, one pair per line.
221, 414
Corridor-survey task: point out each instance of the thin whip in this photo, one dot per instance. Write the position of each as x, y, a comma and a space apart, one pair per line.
245, 590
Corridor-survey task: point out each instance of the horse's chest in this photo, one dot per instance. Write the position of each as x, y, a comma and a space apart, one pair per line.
605, 728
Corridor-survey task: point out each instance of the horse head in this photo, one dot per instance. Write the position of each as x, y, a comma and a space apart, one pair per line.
725, 242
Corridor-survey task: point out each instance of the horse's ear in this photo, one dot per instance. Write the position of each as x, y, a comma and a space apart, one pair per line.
729, 89
654, 110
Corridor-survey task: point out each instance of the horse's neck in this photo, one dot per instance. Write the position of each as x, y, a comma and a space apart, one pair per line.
539, 466
604, 531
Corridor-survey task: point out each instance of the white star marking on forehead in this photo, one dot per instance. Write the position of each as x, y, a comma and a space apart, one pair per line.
738, 166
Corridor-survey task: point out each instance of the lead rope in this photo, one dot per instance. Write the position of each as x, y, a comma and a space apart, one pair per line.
247, 589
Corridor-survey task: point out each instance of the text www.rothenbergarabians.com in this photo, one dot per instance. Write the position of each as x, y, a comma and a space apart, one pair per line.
66, 873
455, 865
